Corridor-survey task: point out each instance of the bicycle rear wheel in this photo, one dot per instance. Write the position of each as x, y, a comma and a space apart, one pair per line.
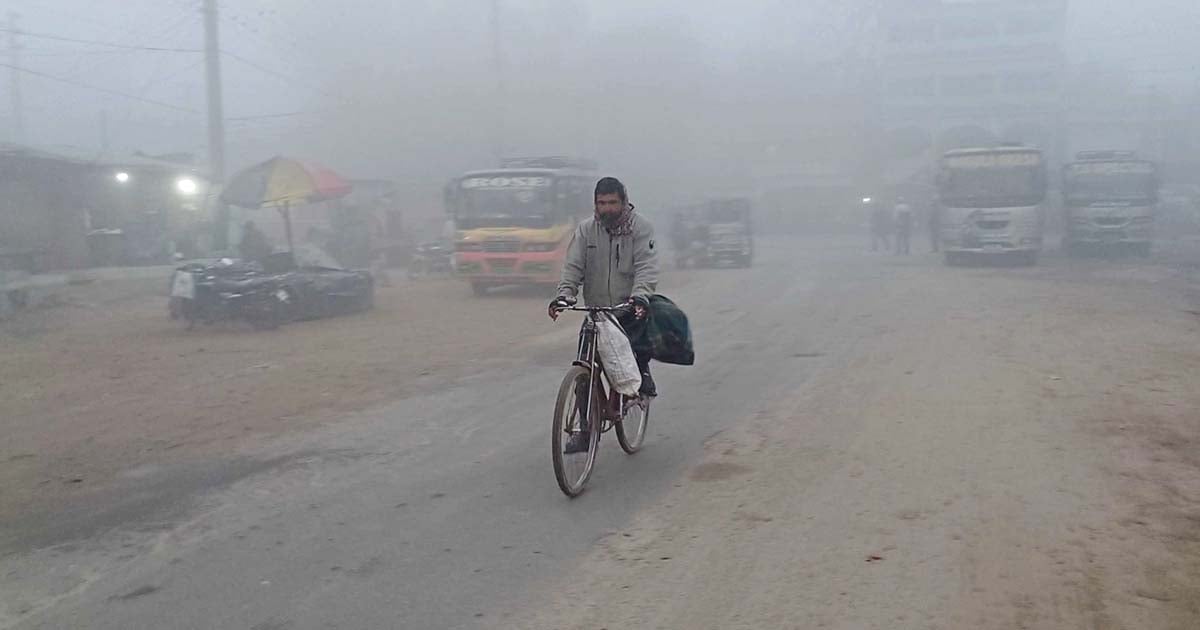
631, 430
572, 470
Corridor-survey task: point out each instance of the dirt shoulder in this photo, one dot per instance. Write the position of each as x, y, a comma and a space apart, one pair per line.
987, 448
102, 381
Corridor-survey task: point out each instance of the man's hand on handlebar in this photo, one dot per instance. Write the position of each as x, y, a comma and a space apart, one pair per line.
641, 306
560, 304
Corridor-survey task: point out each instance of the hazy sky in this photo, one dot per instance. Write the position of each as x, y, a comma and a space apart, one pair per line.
429, 63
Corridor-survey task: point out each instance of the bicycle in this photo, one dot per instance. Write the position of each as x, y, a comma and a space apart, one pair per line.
628, 415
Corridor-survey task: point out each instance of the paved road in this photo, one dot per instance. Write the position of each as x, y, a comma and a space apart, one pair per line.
846, 412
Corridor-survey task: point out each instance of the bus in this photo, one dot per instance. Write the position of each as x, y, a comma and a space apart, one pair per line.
513, 223
991, 202
1109, 199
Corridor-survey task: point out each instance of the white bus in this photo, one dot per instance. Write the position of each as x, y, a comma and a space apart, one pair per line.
1109, 198
991, 202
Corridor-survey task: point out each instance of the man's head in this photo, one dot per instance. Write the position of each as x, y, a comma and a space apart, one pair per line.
611, 200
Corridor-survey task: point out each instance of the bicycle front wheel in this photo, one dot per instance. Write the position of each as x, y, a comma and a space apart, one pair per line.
574, 412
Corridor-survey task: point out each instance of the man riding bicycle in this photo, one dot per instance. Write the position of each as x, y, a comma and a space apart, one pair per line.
612, 255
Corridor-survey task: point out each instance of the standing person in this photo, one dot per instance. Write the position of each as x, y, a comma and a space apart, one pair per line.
254, 245
903, 219
352, 233
613, 257
881, 225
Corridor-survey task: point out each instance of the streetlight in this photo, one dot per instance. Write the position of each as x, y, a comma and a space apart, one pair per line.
122, 177
186, 186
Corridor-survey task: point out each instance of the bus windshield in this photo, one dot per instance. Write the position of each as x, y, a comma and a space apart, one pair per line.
992, 181
1110, 181
503, 201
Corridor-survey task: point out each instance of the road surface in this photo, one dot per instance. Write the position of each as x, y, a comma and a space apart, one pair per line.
865, 442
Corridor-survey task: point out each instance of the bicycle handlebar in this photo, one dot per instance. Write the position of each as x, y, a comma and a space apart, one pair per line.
600, 309
594, 310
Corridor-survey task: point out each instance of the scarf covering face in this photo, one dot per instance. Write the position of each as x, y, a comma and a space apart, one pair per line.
620, 224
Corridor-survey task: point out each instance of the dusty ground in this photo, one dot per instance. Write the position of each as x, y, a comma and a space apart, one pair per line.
1025, 456
102, 381
865, 442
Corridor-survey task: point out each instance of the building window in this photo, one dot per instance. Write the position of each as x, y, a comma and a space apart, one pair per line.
971, 85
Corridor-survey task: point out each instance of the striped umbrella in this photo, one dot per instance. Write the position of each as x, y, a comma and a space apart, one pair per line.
281, 183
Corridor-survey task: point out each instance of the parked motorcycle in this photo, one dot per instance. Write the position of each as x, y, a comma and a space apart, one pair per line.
433, 257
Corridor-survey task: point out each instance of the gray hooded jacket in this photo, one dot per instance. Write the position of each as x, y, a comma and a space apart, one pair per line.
611, 269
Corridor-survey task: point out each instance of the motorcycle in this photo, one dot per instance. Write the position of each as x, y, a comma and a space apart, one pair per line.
430, 258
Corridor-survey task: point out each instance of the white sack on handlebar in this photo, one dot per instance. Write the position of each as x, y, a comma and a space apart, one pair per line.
617, 357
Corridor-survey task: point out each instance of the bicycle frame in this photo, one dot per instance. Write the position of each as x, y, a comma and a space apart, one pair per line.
610, 407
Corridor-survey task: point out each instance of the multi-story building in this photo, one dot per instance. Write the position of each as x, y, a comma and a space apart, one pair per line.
963, 72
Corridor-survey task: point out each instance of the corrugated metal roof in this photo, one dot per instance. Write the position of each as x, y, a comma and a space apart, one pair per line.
10, 149
77, 155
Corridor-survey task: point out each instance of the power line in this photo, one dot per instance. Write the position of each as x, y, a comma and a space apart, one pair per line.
270, 21
102, 90
162, 77
274, 73
93, 42
276, 47
267, 116
82, 69
285, 33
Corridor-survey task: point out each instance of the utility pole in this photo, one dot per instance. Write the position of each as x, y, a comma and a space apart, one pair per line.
500, 101
14, 60
216, 121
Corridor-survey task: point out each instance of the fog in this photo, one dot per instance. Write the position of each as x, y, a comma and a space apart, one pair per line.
912, 288
674, 95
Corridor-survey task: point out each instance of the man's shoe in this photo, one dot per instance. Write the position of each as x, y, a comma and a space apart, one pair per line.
578, 443
648, 389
